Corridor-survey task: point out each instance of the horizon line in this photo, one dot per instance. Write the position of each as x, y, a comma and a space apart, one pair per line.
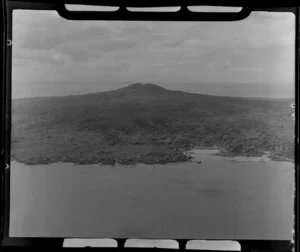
207, 94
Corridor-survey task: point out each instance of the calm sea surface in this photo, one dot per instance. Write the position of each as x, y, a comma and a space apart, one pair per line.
221, 198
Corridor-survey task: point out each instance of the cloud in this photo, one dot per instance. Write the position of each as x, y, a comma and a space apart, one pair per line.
50, 48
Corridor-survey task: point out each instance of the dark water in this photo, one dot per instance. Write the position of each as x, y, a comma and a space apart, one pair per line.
222, 198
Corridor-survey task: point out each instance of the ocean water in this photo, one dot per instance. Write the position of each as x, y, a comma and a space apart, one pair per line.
221, 198
261, 90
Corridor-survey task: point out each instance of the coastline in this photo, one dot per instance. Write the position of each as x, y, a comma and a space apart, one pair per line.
191, 154
267, 156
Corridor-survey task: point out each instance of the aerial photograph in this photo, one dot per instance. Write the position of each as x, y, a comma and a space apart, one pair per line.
152, 129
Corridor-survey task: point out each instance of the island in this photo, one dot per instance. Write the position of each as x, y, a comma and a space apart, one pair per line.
146, 123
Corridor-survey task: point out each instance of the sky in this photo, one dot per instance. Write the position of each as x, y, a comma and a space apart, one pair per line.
53, 56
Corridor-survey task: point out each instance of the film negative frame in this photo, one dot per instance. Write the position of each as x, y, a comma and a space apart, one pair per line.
7, 9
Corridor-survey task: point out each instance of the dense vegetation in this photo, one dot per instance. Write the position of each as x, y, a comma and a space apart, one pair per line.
146, 123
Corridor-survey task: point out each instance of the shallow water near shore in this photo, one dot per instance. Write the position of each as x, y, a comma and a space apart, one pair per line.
221, 198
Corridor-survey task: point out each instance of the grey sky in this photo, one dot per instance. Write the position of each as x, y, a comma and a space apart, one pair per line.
53, 56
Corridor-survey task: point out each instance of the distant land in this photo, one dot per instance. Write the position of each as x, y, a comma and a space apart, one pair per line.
23, 89
146, 123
